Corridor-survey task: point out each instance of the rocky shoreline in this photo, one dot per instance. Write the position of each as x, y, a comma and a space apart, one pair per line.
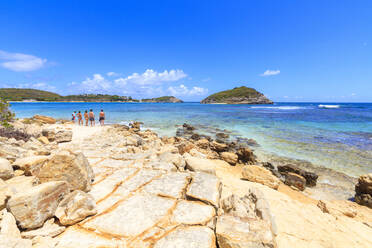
64, 185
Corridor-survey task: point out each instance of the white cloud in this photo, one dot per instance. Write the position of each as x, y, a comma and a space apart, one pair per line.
39, 86
151, 77
270, 73
183, 90
20, 61
96, 84
112, 74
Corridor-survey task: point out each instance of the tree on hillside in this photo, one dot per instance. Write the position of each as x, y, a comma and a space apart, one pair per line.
5, 114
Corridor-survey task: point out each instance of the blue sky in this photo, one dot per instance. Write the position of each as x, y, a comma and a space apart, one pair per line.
289, 50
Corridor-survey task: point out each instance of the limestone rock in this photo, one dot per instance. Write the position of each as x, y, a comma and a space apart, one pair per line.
292, 179
50, 134
169, 185
10, 242
173, 158
363, 190
34, 205
261, 175
44, 242
200, 164
49, 229
6, 170
311, 178
202, 143
188, 237
229, 157
219, 147
43, 140
193, 213
235, 232
75, 207
30, 164
246, 155
205, 187
8, 226
63, 136
69, 167
44, 119
20, 183
336, 208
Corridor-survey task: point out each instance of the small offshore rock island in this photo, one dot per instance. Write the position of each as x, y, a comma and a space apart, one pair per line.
238, 95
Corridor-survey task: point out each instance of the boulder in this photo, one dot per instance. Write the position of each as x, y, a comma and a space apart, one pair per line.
8, 226
31, 164
75, 207
293, 179
229, 157
44, 119
260, 175
67, 166
50, 134
49, 229
43, 140
200, 164
219, 147
202, 143
6, 170
363, 190
63, 136
310, 177
246, 155
34, 205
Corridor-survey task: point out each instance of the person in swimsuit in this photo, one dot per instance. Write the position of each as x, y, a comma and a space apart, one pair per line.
86, 117
102, 118
73, 117
91, 118
80, 118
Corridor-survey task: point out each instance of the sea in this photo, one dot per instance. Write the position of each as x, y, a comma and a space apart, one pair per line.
337, 136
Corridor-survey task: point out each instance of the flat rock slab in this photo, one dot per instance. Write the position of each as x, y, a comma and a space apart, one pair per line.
188, 237
169, 185
200, 164
133, 216
192, 213
205, 187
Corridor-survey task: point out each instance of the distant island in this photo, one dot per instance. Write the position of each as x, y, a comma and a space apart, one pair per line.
33, 95
170, 99
238, 95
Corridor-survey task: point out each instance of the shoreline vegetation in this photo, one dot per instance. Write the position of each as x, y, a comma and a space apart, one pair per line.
143, 190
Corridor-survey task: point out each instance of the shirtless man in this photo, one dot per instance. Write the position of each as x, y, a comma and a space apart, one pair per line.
91, 118
102, 118
80, 118
86, 117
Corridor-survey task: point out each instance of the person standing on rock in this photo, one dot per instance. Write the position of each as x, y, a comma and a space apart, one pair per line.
73, 117
91, 118
86, 117
102, 118
80, 118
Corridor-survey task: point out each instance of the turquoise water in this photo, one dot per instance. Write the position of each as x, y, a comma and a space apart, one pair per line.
334, 135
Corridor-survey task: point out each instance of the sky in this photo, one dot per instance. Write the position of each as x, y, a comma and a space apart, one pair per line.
292, 51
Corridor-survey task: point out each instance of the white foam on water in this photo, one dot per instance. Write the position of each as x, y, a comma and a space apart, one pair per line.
279, 107
328, 106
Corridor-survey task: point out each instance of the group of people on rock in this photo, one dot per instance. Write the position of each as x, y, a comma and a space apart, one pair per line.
89, 118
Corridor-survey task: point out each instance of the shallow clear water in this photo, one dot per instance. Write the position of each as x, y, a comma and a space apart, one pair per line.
334, 135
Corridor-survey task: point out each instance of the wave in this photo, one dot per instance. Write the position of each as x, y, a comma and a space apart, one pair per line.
328, 106
279, 107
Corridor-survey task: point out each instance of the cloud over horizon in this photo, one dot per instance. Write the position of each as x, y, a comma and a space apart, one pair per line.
148, 84
270, 73
20, 61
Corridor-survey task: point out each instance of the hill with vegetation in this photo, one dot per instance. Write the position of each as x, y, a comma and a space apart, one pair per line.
15, 94
163, 99
238, 95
